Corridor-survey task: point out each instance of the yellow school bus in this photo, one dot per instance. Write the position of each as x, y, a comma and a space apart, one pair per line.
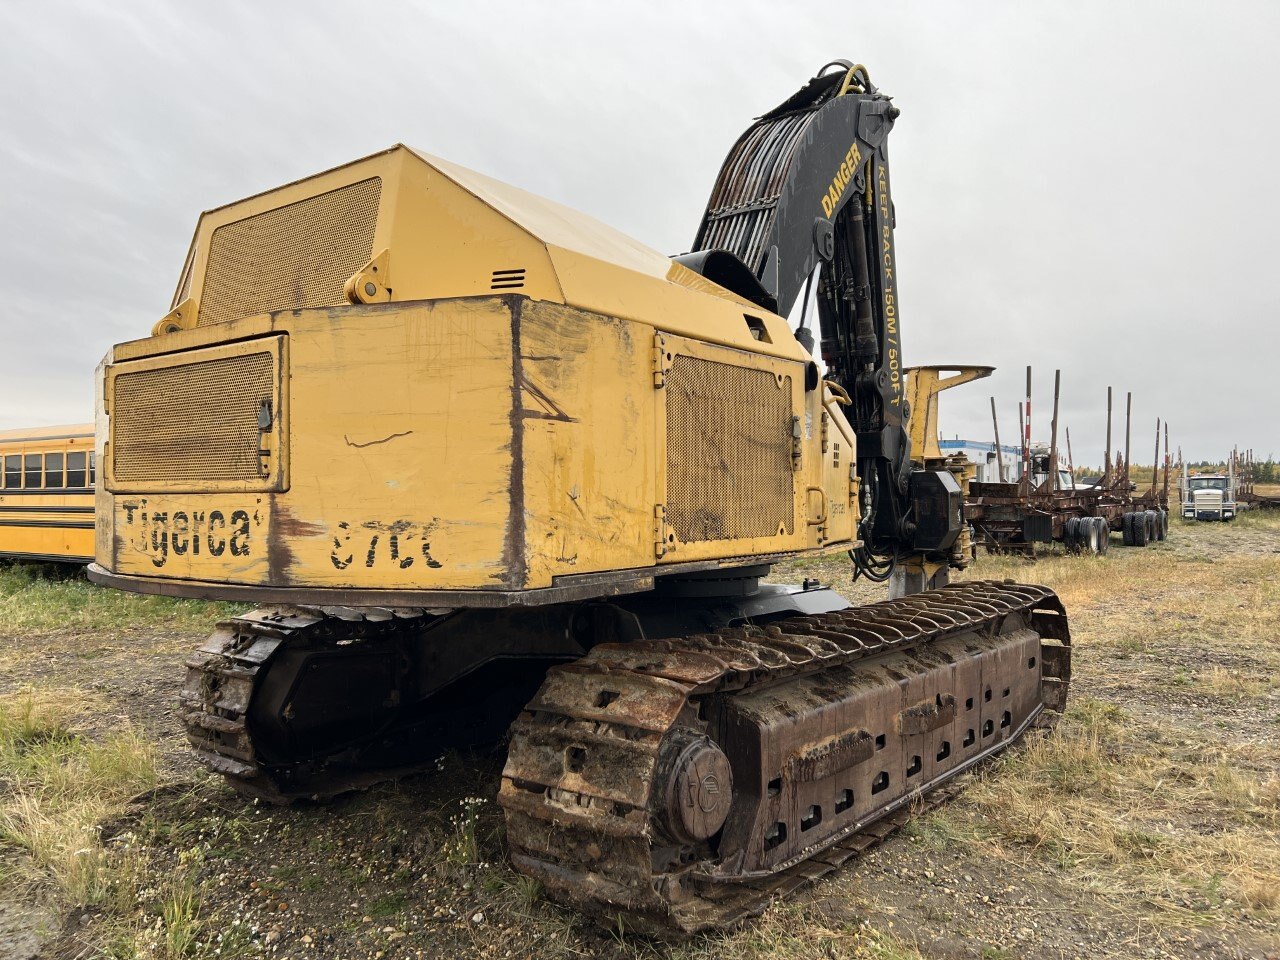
46, 493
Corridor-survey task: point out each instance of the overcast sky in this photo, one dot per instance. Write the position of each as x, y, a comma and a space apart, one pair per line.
1089, 186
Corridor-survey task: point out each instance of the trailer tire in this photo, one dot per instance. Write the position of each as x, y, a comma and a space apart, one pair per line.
1089, 534
1126, 529
1104, 535
1140, 528
1153, 526
1164, 524
1071, 535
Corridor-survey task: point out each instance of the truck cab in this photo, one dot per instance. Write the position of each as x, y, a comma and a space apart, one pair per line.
1042, 470
1209, 497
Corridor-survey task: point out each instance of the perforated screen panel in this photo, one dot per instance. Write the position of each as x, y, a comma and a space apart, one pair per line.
294, 256
191, 423
729, 470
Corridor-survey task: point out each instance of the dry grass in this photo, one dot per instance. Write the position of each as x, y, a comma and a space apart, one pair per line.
1156, 802
60, 786
1182, 831
1152, 806
798, 931
1221, 682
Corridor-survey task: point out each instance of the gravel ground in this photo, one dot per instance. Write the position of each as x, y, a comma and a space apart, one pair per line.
417, 869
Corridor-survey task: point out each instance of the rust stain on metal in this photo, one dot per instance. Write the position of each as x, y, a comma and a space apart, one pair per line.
613, 787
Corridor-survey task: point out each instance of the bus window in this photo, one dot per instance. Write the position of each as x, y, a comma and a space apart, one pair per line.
92, 457
76, 461
13, 471
32, 470
53, 478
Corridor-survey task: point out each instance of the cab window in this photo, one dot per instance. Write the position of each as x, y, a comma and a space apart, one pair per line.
13, 471
33, 467
92, 457
77, 463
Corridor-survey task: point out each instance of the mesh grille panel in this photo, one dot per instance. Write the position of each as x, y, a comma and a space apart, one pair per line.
290, 257
729, 472
193, 423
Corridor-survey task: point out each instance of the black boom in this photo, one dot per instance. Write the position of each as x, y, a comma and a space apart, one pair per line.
807, 186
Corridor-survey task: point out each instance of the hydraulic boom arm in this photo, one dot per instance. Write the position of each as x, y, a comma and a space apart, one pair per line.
805, 188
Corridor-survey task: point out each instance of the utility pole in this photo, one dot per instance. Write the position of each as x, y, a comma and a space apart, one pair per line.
1021, 443
1166, 463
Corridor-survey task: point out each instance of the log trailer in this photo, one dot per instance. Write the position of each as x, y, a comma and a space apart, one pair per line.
1244, 466
491, 468
1046, 504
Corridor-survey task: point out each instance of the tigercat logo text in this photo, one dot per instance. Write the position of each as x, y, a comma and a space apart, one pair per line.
848, 167
162, 533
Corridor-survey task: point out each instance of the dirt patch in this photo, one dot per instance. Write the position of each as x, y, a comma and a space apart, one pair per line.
26, 926
1173, 651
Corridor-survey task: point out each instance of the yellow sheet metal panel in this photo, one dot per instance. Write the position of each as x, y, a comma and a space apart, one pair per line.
47, 537
296, 246
103, 502
493, 444
48, 437
400, 463
835, 470
444, 242
588, 446
439, 230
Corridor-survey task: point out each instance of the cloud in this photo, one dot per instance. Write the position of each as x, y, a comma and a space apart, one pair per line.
1083, 186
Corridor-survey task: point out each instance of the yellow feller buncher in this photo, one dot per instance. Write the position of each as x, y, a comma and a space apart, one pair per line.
490, 467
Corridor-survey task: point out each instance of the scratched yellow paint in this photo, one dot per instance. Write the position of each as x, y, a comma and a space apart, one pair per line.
454, 435
589, 464
399, 437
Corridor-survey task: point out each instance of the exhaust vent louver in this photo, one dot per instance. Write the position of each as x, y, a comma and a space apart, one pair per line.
192, 425
294, 256
729, 468
507, 279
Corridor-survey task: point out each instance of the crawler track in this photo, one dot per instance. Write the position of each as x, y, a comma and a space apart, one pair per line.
679, 784
224, 683
599, 805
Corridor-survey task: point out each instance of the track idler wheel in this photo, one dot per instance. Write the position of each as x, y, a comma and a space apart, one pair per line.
699, 790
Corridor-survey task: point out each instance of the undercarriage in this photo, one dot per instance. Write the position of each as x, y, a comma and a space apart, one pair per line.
681, 757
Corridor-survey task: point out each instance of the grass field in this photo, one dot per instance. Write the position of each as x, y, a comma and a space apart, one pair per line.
1147, 826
